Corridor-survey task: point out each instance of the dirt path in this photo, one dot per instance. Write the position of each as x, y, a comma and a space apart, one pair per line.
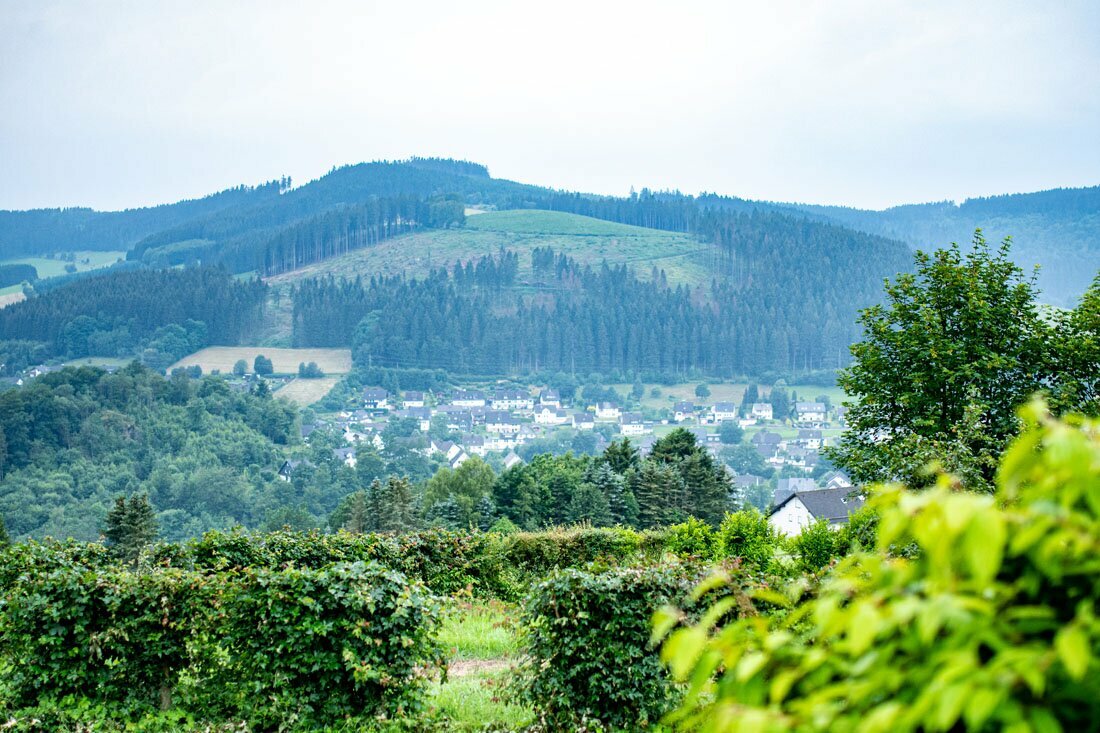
466, 667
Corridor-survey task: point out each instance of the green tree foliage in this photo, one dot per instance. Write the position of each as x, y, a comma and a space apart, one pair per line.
944, 363
5, 540
747, 535
466, 485
1078, 344
576, 622
989, 624
130, 528
621, 456
309, 370
392, 505
240, 367
263, 366
730, 433
702, 390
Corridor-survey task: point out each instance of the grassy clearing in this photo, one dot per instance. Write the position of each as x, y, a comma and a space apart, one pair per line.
9, 297
304, 392
732, 392
99, 361
482, 644
54, 267
285, 361
587, 240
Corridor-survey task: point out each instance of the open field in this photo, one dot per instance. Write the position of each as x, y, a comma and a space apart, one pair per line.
591, 241
331, 361
53, 267
672, 394
99, 361
304, 392
11, 295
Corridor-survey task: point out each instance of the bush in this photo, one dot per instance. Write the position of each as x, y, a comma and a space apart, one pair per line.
816, 546
588, 644
990, 625
305, 646
693, 538
111, 636
263, 366
747, 535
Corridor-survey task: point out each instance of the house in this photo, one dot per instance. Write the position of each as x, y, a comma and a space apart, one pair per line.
809, 438
799, 510
761, 410
766, 443
632, 423
422, 415
501, 422
552, 416
608, 411
451, 452
347, 455
836, 480
512, 460
468, 398
787, 486
307, 429
841, 414
376, 398
683, 411
413, 399
549, 398
583, 421
286, 471
497, 442
511, 399
722, 411
810, 414
474, 444
747, 480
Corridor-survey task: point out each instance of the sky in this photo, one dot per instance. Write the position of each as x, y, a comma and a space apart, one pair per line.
862, 103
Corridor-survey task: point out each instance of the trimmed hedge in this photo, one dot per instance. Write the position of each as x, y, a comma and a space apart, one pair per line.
590, 663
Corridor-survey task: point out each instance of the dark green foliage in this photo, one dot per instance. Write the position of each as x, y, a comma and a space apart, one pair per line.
262, 366
15, 274
1078, 348
5, 540
131, 527
308, 646
747, 535
730, 433
310, 370
240, 367
170, 312
587, 636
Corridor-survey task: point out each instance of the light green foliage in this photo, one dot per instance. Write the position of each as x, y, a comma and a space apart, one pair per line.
588, 648
693, 538
747, 535
816, 546
990, 624
467, 485
1079, 349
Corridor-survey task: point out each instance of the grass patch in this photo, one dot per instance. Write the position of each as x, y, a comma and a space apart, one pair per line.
475, 702
53, 267
285, 361
481, 630
538, 221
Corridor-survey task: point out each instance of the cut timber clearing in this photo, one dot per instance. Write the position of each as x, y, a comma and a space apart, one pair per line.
304, 392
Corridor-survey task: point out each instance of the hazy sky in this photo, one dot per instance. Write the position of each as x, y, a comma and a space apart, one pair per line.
115, 104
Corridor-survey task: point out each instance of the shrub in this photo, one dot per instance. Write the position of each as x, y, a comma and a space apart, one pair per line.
693, 538
305, 646
816, 546
746, 534
588, 644
107, 635
990, 625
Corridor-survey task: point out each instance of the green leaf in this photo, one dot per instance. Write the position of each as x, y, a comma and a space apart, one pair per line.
1072, 645
984, 543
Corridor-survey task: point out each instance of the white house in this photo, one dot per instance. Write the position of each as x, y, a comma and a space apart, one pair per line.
799, 510
501, 423
722, 411
552, 416
683, 411
452, 452
608, 411
347, 455
809, 413
583, 421
549, 398
413, 399
511, 460
511, 399
376, 398
762, 410
632, 424
809, 438
498, 442
468, 398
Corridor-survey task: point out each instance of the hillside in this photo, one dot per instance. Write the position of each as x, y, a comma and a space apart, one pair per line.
587, 240
1057, 229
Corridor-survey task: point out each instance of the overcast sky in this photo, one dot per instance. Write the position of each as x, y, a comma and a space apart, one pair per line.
866, 103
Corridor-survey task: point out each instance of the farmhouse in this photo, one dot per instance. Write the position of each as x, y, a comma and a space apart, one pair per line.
376, 398
632, 424
762, 410
722, 411
799, 510
809, 414
552, 416
809, 438
549, 398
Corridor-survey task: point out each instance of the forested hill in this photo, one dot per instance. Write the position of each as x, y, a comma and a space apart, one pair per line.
1057, 229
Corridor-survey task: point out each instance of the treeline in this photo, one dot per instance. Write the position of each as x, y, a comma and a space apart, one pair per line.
41, 231
15, 274
112, 314
271, 251
582, 319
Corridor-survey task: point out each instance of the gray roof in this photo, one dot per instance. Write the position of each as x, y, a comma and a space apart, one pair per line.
831, 504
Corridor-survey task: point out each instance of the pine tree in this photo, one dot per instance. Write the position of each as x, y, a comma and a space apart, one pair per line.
621, 456
131, 527
486, 513
5, 540
653, 485
589, 505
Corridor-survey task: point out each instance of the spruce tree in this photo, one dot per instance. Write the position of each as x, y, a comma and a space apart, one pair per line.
589, 505
621, 456
131, 527
5, 540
